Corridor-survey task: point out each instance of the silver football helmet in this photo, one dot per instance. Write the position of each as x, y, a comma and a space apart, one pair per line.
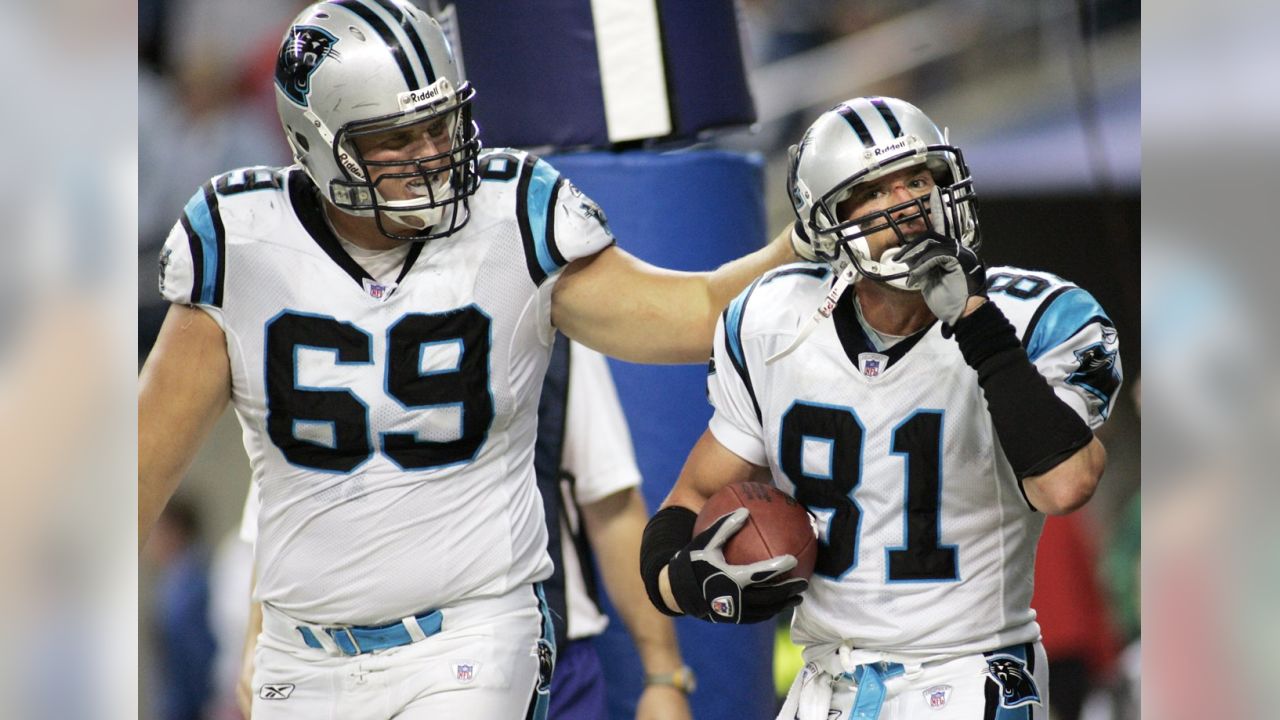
864, 139
350, 69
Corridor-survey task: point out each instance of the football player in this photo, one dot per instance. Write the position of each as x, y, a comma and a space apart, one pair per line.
380, 314
929, 415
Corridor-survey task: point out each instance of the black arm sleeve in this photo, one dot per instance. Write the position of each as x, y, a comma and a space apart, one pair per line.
666, 534
1036, 429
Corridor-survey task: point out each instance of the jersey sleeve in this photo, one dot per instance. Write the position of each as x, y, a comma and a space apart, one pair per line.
736, 423
558, 223
1067, 336
1076, 347
597, 440
193, 259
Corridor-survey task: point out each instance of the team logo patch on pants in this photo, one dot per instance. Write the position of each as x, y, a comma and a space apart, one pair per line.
1017, 687
546, 666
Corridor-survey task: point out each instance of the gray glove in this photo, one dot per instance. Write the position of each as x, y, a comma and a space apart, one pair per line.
706, 586
801, 243
947, 274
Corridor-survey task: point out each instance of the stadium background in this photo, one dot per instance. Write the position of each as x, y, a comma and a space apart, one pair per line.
1043, 98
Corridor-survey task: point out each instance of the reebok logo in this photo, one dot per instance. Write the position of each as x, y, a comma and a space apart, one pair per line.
280, 691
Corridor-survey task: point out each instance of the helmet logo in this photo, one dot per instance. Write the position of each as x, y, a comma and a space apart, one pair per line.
303, 51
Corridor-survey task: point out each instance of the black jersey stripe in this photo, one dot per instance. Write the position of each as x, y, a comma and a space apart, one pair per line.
889, 118
410, 29
855, 121
220, 239
733, 316
556, 256
1039, 313
536, 273
384, 31
197, 257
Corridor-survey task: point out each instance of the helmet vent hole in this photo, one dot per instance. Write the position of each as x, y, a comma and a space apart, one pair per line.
301, 140
322, 15
356, 32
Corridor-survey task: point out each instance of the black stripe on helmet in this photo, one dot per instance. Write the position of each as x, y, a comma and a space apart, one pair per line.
889, 118
388, 36
411, 31
855, 121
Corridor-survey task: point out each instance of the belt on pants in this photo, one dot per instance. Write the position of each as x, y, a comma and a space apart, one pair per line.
352, 640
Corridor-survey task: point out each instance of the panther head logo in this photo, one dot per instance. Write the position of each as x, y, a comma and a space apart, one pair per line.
1017, 686
546, 665
302, 52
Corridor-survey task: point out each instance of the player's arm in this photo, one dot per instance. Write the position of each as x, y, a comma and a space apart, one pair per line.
688, 574
614, 525
629, 309
182, 390
709, 468
1051, 449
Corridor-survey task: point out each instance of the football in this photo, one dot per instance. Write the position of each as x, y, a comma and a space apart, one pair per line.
778, 525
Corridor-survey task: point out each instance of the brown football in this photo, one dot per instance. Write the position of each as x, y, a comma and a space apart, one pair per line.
778, 525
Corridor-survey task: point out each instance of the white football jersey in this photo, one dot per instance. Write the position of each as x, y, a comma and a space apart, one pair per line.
389, 426
927, 541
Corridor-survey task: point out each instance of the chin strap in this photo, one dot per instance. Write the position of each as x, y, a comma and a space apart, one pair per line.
843, 281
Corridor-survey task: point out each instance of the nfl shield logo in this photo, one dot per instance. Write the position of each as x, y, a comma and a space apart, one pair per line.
376, 290
936, 697
465, 672
722, 606
872, 364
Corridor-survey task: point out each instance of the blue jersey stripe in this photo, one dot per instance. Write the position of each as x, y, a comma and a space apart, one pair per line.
201, 219
541, 187
1065, 316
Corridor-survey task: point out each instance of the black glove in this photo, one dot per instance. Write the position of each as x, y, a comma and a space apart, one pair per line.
947, 274
706, 586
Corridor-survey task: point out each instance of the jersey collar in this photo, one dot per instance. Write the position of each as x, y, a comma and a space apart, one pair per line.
307, 206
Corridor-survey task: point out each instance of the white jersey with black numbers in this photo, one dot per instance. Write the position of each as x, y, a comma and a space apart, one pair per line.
927, 540
389, 425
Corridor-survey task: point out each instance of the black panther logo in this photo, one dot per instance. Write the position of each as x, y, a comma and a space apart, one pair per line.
546, 665
301, 54
1097, 371
1017, 687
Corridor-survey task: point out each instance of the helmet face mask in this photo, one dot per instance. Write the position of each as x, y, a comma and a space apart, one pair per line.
377, 114
861, 141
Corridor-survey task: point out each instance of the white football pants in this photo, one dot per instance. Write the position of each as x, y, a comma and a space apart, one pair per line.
484, 664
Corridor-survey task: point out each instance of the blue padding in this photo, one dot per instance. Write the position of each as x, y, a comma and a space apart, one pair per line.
1068, 313
198, 214
705, 66
687, 211
536, 70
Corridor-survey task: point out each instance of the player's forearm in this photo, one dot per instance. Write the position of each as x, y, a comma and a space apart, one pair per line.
725, 282
1070, 484
614, 526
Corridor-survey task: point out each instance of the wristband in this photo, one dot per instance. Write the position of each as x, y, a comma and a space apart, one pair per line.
682, 679
666, 534
1037, 430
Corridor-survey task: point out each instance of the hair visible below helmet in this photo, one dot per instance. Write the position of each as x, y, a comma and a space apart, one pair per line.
864, 139
350, 68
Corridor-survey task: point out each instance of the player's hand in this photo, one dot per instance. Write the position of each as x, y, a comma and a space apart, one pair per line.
801, 243
948, 275
706, 586
662, 702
